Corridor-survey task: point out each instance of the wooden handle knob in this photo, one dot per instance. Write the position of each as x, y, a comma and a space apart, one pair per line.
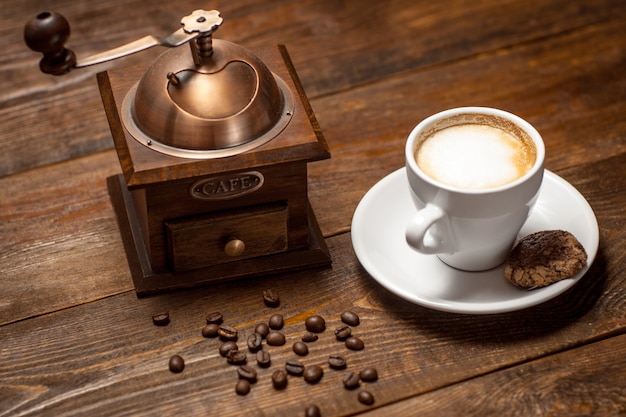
47, 33
234, 247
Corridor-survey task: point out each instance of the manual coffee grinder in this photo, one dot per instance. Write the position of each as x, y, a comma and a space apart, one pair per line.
213, 142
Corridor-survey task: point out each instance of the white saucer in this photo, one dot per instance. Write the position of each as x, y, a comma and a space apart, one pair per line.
378, 238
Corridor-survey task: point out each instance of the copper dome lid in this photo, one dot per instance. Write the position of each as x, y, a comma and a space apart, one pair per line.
213, 99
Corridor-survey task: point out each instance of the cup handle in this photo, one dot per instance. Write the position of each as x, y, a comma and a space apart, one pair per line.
417, 235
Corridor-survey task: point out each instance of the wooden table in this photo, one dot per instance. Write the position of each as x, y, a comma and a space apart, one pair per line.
76, 340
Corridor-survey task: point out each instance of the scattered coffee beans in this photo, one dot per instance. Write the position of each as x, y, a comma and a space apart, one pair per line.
369, 374
210, 330
270, 331
309, 337
227, 333
177, 364
312, 374
312, 411
294, 367
343, 332
270, 298
365, 397
275, 338
227, 347
247, 372
242, 387
279, 379
354, 343
255, 341
263, 329
351, 380
214, 318
336, 362
263, 358
300, 349
350, 318
276, 322
315, 324
236, 357
161, 319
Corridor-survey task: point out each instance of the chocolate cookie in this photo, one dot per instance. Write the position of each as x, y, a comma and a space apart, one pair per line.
543, 258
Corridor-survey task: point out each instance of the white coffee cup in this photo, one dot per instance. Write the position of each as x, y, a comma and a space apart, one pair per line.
471, 221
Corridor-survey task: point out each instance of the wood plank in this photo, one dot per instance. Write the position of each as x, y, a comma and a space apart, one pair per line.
587, 381
107, 358
333, 48
60, 243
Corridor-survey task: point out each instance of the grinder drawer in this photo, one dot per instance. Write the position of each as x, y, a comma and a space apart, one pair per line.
229, 236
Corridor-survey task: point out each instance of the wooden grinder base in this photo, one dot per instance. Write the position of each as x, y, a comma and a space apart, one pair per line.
148, 282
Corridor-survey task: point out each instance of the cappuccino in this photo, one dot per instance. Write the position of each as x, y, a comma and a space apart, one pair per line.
474, 174
475, 156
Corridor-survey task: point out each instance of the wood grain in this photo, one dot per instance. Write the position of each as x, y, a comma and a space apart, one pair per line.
60, 246
588, 381
106, 357
76, 340
112, 346
333, 49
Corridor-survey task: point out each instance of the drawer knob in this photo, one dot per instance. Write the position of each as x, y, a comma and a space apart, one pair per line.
234, 247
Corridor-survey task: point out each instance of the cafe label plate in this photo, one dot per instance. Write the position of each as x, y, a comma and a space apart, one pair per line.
378, 238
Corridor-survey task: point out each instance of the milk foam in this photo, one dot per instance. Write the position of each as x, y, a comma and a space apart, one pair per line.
474, 156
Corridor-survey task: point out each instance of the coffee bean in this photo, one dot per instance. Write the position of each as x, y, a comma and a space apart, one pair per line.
312, 411
279, 379
336, 362
275, 338
294, 367
247, 372
300, 349
354, 343
177, 364
227, 347
312, 374
276, 322
263, 359
365, 397
236, 357
369, 374
263, 329
351, 380
214, 318
343, 332
271, 298
210, 330
161, 319
315, 324
350, 318
227, 333
309, 337
255, 341
242, 387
